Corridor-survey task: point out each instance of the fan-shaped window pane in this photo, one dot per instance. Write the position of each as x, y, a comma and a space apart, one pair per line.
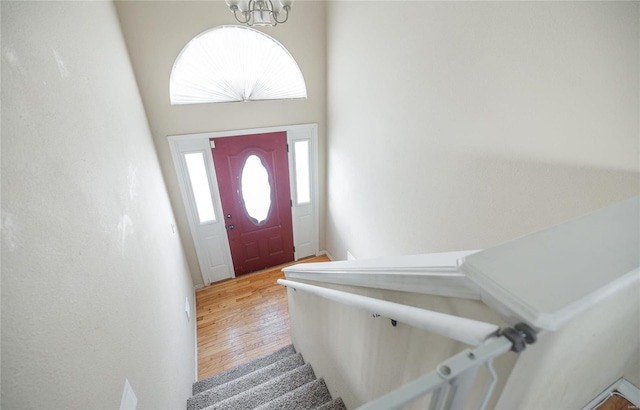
234, 63
256, 190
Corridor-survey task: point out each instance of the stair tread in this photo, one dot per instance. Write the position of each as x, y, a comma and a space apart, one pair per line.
248, 381
242, 370
254, 397
307, 396
335, 404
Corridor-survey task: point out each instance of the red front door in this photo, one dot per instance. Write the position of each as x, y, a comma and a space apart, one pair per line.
253, 178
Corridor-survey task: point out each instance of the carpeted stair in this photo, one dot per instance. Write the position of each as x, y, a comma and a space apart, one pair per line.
278, 381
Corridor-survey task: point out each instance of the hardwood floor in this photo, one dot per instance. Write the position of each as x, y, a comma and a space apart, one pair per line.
241, 319
617, 402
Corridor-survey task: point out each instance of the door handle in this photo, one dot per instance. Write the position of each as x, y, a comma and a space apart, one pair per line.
230, 227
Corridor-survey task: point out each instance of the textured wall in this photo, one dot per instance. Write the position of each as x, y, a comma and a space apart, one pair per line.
94, 281
156, 32
461, 125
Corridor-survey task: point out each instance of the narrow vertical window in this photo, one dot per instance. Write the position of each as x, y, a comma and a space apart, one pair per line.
200, 186
303, 184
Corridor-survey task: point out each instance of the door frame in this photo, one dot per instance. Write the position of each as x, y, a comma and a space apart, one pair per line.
188, 143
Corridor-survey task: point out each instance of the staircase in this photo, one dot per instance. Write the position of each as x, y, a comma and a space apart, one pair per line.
280, 380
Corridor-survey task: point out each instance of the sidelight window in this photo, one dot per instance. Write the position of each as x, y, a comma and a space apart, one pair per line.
200, 186
303, 183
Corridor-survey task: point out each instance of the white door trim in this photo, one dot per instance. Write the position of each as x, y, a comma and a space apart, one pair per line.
303, 241
215, 264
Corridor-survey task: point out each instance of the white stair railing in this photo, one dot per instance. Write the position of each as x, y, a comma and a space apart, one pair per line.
469, 331
451, 383
546, 279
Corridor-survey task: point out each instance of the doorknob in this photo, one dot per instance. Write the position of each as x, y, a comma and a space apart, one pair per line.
230, 227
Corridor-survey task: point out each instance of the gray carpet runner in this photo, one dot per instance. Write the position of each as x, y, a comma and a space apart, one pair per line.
278, 381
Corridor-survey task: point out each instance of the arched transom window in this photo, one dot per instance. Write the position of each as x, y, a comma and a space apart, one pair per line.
234, 63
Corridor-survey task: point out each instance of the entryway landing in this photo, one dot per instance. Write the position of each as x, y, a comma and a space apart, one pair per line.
243, 318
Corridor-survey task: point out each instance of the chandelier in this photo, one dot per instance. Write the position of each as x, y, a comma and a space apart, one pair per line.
260, 12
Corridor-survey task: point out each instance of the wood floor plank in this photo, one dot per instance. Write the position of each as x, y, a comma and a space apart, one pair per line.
617, 402
241, 319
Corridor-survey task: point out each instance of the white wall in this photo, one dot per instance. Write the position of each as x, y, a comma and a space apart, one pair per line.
156, 32
569, 368
461, 125
94, 281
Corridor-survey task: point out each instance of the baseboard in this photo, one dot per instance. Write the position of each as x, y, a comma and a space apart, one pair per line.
623, 386
327, 254
194, 316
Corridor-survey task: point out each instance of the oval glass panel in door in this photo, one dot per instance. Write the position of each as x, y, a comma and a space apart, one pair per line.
256, 189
